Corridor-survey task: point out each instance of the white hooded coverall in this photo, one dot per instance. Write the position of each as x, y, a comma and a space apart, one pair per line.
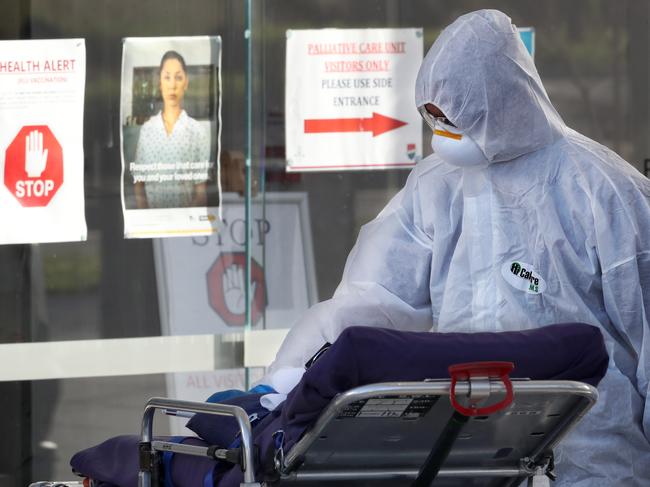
440, 256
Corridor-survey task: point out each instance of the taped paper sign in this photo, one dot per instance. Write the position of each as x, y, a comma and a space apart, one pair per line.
41, 141
349, 99
170, 113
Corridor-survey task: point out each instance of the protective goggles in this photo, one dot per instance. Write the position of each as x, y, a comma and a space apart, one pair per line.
434, 122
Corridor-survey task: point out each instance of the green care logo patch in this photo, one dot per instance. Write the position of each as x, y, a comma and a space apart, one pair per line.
523, 276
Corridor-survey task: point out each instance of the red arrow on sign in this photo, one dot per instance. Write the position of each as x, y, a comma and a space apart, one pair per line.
377, 124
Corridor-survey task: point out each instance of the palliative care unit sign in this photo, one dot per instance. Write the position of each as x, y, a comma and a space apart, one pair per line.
41, 141
349, 99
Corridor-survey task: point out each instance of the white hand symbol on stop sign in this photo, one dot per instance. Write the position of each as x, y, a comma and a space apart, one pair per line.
35, 156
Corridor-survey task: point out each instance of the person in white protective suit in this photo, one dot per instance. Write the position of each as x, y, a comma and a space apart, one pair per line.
509, 186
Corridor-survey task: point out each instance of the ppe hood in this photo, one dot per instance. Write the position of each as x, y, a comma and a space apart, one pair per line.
479, 73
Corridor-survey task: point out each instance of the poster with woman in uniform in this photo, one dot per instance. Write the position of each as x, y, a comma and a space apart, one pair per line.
170, 126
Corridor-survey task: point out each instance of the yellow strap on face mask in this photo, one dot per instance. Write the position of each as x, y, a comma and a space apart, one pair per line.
451, 135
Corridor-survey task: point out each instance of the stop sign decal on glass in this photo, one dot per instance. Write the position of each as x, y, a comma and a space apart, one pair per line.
226, 288
34, 166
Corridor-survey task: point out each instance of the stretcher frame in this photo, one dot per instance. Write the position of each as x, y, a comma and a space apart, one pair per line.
324, 454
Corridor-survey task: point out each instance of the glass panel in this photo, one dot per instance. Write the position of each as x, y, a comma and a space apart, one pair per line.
592, 57
73, 414
106, 287
293, 230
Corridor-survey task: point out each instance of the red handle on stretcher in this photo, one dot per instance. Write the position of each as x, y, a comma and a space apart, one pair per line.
491, 370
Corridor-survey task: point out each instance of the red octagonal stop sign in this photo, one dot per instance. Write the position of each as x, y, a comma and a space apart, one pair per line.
34, 166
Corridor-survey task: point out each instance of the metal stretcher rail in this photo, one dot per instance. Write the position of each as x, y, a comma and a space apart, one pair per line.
382, 432
148, 446
553, 407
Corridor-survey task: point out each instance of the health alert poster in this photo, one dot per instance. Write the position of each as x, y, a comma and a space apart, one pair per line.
349, 99
41, 141
170, 111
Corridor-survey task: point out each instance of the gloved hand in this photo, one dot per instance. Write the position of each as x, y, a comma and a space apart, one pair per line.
282, 381
223, 395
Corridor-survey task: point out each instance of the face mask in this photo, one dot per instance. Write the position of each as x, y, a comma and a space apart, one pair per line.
456, 148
